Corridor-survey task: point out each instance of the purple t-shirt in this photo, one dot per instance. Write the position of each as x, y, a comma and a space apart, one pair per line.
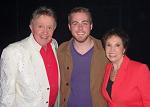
80, 95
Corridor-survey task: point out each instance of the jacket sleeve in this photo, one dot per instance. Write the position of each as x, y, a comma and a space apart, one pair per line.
144, 84
8, 69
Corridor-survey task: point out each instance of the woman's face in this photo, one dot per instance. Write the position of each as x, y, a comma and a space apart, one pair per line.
114, 49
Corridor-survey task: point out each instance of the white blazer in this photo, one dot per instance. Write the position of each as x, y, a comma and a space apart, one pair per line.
23, 78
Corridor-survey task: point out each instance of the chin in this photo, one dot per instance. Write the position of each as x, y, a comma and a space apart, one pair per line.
112, 60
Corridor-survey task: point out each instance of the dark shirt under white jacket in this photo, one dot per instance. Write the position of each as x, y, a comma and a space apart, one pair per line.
23, 78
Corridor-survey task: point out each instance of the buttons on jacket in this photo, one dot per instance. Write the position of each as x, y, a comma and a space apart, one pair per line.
67, 67
47, 90
67, 84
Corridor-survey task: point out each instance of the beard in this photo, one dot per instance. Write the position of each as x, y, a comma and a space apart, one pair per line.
81, 39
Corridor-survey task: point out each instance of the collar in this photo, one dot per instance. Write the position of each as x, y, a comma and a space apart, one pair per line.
34, 43
124, 64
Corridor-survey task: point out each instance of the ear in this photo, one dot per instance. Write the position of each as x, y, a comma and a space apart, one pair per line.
91, 26
30, 26
124, 51
55, 25
69, 26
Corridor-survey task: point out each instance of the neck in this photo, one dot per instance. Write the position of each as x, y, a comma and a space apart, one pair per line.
83, 47
45, 47
116, 65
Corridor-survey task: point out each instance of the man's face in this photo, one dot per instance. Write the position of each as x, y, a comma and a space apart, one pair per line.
80, 26
42, 29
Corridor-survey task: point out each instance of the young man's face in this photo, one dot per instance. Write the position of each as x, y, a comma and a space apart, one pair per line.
42, 29
80, 26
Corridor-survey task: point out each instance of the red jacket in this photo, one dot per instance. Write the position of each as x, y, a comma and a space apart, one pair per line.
131, 87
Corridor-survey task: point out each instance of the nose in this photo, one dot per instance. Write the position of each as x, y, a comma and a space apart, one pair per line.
112, 48
45, 30
80, 26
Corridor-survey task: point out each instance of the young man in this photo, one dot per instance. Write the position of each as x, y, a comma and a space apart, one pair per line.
29, 73
82, 62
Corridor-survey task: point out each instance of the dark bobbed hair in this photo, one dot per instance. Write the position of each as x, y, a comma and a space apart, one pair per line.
79, 10
119, 33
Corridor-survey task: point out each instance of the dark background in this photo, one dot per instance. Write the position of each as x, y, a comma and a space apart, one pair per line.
132, 15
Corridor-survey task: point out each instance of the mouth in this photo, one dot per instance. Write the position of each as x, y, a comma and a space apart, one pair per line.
112, 54
80, 33
44, 37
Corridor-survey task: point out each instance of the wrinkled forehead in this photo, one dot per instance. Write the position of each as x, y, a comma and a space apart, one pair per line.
42, 15
44, 19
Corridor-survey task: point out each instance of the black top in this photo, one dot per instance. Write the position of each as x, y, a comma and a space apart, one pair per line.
109, 87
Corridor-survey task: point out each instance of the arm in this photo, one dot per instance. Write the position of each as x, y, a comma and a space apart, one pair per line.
8, 69
144, 84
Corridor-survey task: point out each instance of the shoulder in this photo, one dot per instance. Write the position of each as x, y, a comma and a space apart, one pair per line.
138, 66
63, 46
63, 52
98, 48
97, 42
12, 48
54, 42
140, 71
15, 48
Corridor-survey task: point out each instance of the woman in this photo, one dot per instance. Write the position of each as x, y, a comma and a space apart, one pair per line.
126, 82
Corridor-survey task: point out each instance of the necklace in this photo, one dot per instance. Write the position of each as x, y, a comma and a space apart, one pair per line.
113, 74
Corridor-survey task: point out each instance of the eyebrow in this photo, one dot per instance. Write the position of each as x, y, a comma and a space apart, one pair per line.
79, 22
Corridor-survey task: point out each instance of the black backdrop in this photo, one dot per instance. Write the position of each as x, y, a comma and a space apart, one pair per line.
131, 15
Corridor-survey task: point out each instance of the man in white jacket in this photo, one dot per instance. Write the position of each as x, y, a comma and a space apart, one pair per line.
29, 72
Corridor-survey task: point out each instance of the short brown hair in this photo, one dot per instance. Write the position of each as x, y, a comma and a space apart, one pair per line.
80, 9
